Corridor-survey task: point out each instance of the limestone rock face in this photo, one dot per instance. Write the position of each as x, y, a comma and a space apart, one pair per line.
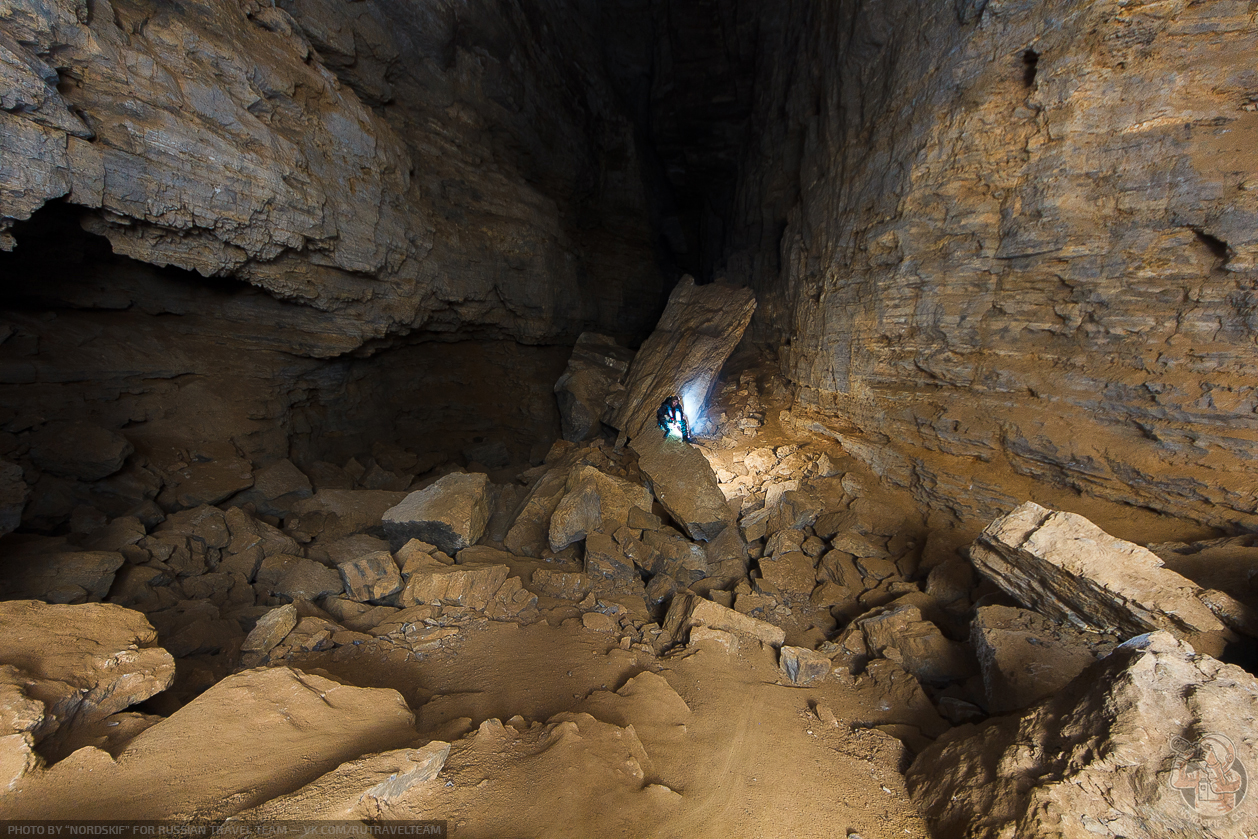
451, 514
273, 168
699, 329
1064, 566
1153, 740
930, 245
683, 481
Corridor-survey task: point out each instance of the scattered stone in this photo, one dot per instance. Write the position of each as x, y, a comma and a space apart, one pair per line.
78, 450
950, 583
204, 523
640, 519
1024, 657
1153, 740
451, 514
1064, 566
311, 634
683, 481
593, 502
700, 327
803, 667
689, 610
754, 525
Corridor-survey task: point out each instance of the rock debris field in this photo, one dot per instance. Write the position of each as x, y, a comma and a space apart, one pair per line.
750, 636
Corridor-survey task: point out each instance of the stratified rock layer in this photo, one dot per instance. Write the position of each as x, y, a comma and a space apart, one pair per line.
1023, 251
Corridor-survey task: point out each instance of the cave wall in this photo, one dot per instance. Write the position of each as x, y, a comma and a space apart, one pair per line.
1013, 242
414, 164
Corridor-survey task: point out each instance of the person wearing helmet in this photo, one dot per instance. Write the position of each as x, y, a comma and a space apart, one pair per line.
670, 415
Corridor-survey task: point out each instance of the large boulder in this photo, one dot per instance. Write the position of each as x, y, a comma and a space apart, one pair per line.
1154, 740
79, 663
1064, 566
700, 327
683, 481
434, 582
79, 450
594, 502
593, 378
451, 513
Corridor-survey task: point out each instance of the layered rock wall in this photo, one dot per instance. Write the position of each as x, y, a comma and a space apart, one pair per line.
1008, 242
394, 165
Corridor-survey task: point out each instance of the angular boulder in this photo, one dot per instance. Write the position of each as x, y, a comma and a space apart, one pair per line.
82, 663
79, 450
1024, 657
451, 514
802, 666
270, 629
683, 481
594, 503
595, 372
1153, 740
1064, 566
373, 576
473, 586
298, 578
700, 327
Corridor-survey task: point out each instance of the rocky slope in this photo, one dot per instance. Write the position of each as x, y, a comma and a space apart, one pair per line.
1011, 243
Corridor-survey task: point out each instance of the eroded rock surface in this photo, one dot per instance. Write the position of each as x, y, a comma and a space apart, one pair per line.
1148, 742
